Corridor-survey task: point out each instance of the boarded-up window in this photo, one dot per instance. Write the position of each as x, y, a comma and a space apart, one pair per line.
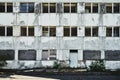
91, 55
7, 54
27, 55
112, 55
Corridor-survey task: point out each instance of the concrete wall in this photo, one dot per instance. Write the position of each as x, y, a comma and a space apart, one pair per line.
62, 44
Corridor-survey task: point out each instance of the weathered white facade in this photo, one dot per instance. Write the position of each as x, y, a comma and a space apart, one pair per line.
71, 50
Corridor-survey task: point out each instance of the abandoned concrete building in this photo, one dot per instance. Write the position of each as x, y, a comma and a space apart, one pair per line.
36, 33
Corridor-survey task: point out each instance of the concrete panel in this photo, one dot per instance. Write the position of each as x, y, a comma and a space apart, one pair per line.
71, 43
74, 19
26, 19
91, 19
91, 55
48, 43
92, 43
111, 19
112, 64
112, 43
23, 55
7, 19
49, 19
6, 42
47, 63
26, 42
112, 55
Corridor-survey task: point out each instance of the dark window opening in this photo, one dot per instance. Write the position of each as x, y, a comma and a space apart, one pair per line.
73, 7
95, 8
73, 31
9, 31
45, 7
2, 31
109, 31
95, 31
116, 7
66, 31
73, 51
9, 7
52, 31
30, 7
23, 7
59, 8
52, 54
52, 7
45, 31
66, 7
109, 8
23, 31
31, 31
87, 31
116, 31
2, 7
88, 8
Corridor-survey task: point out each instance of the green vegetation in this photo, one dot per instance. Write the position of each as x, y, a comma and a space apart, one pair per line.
98, 66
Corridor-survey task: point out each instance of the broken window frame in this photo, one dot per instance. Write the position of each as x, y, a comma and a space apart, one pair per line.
49, 54
26, 31
49, 31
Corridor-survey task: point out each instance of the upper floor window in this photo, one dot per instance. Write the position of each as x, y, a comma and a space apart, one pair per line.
6, 31
49, 31
91, 7
108, 7
49, 8
70, 31
26, 7
27, 31
112, 31
6, 7
116, 7
91, 31
70, 7
87, 7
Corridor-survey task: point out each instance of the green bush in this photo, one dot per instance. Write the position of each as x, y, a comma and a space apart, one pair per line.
56, 65
97, 66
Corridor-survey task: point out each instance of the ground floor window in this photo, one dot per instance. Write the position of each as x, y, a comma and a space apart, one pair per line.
49, 54
27, 54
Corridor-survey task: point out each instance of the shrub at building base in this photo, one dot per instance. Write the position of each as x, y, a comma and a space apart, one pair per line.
98, 66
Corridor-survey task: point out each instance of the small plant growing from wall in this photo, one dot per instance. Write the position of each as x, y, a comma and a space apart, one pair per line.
3, 60
98, 65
